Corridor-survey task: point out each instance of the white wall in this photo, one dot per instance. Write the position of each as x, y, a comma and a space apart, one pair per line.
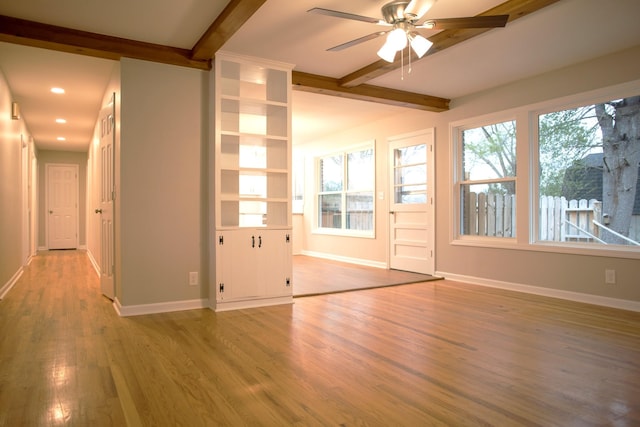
162, 197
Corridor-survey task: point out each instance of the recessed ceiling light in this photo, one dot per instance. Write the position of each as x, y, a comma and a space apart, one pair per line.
61, 121
61, 138
57, 90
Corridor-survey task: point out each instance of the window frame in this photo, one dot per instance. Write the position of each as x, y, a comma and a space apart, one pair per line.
456, 131
317, 229
575, 247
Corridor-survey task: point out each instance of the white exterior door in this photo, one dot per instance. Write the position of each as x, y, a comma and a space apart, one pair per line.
62, 206
411, 203
107, 195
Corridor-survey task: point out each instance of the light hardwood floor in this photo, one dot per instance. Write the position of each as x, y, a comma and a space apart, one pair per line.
434, 353
317, 276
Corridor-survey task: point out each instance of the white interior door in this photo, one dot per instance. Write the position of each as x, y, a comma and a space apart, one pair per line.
62, 206
107, 197
411, 204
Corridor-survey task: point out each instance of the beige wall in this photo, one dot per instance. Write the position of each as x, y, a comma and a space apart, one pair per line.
12, 135
162, 196
556, 271
564, 273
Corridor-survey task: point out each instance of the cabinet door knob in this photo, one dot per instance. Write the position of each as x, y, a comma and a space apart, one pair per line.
99, 211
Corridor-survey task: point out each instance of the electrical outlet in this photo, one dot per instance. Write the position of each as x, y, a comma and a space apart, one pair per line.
193, 278
610, 277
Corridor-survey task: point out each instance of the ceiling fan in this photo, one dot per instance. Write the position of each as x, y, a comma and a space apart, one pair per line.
405, 19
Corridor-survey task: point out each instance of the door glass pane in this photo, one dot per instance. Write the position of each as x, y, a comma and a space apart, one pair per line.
410, 194
412, 155
410, 174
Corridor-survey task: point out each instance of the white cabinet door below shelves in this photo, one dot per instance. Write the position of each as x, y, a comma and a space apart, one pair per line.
253, 264
274, 261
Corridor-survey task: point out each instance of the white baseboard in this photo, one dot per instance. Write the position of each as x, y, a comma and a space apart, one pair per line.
547, 292
45, 248
7, 286
94, 263
350, 260
162, 307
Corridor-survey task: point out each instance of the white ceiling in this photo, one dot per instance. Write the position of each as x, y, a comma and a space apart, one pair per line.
564, 33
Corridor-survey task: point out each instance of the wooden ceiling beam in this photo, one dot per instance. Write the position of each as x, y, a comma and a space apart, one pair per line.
329, 86
232, 18
29, 33
447, 38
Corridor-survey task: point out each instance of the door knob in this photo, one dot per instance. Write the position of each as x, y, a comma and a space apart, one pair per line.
99, 211
50, 212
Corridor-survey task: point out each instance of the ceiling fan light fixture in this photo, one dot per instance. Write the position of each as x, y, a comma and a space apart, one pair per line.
397, 39
419, 44
387, 52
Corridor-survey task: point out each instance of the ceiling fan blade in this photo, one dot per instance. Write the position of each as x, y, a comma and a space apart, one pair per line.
357, 41
417, 8
492, 21
344, 15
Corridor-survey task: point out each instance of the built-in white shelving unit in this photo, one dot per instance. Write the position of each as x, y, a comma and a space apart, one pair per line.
252, 182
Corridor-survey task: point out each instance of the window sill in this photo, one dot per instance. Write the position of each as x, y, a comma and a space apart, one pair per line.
551, 247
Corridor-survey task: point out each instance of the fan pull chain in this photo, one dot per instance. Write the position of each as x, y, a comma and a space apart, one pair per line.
402, 64
409, 55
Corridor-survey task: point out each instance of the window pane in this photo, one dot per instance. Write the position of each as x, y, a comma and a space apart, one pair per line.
331, 171
588, 182
489, 152
330, 215
360, 169
488, 210
360, 211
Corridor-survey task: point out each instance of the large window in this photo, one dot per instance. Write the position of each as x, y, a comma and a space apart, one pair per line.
588, 181
578, 181
346, 188
487, 180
